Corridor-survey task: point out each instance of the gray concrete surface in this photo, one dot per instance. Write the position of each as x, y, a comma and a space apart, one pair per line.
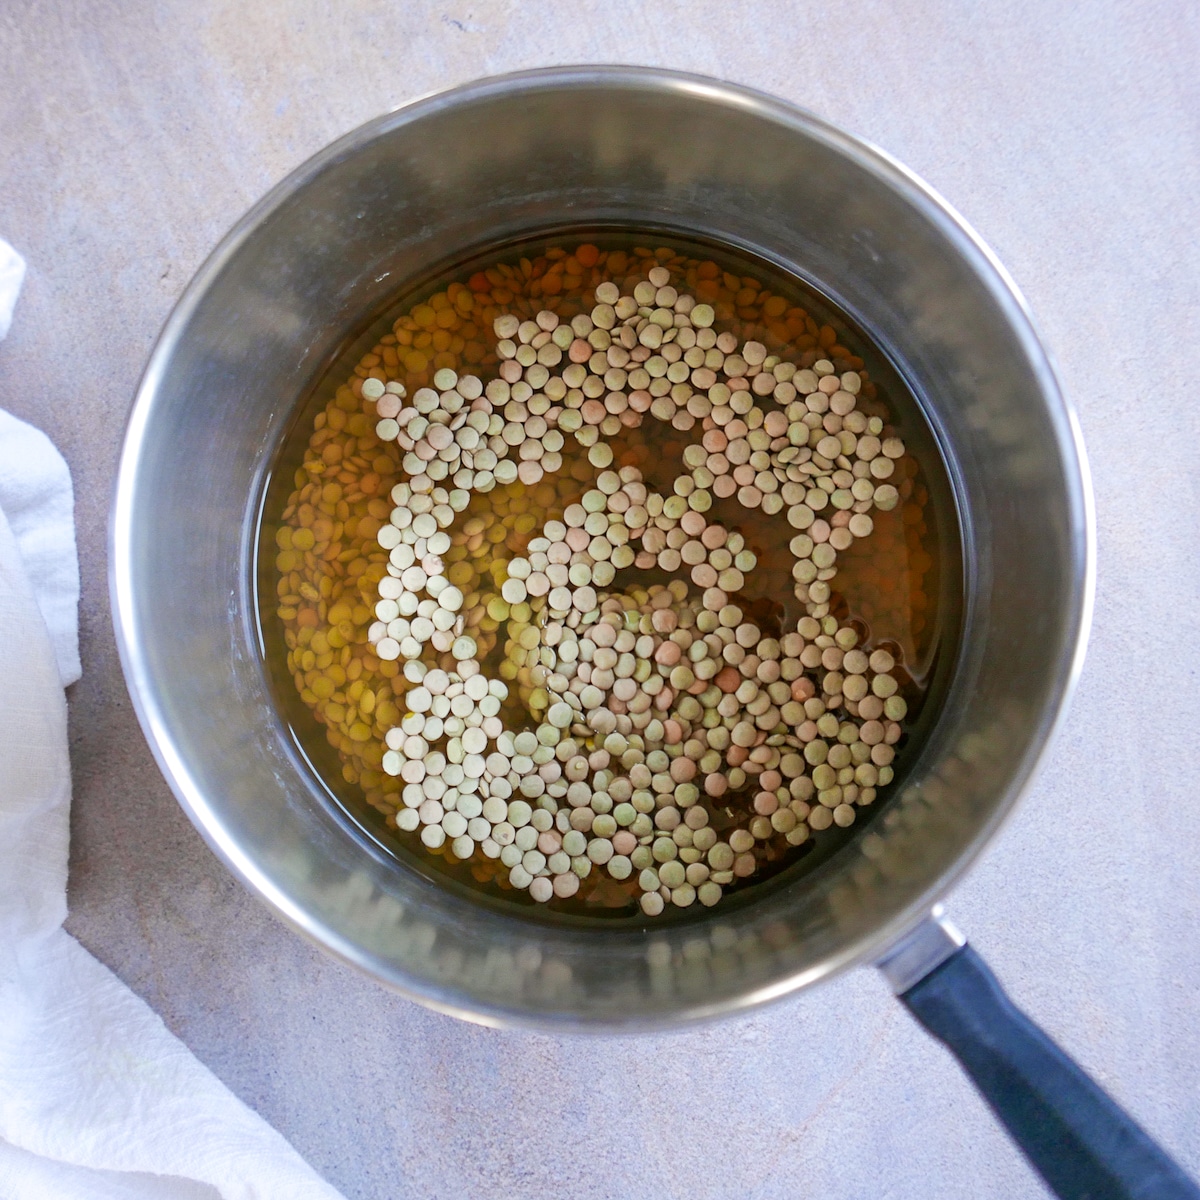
134, 132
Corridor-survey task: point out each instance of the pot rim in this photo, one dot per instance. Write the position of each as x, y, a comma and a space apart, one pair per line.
877, 162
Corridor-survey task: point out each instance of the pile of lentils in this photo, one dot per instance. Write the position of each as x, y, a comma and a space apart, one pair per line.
648, 703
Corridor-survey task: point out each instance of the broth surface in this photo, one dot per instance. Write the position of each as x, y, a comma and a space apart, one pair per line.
330, 493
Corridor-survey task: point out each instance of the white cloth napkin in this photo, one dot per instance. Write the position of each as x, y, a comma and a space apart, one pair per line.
12, 274
97, 1098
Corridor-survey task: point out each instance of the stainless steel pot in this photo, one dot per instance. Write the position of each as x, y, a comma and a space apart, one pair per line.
508, 157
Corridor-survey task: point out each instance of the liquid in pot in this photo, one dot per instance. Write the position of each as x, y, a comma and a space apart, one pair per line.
890, 591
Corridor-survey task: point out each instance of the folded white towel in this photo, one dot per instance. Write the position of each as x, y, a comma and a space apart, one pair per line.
12, 275
97, 1098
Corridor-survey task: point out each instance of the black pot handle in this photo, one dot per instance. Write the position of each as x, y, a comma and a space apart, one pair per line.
1081, 1142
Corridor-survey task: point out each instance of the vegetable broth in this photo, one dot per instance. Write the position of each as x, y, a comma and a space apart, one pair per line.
898, 588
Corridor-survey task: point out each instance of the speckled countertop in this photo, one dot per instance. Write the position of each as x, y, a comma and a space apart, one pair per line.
134, 132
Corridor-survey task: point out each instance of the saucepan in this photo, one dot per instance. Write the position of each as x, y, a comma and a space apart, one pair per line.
589, 147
